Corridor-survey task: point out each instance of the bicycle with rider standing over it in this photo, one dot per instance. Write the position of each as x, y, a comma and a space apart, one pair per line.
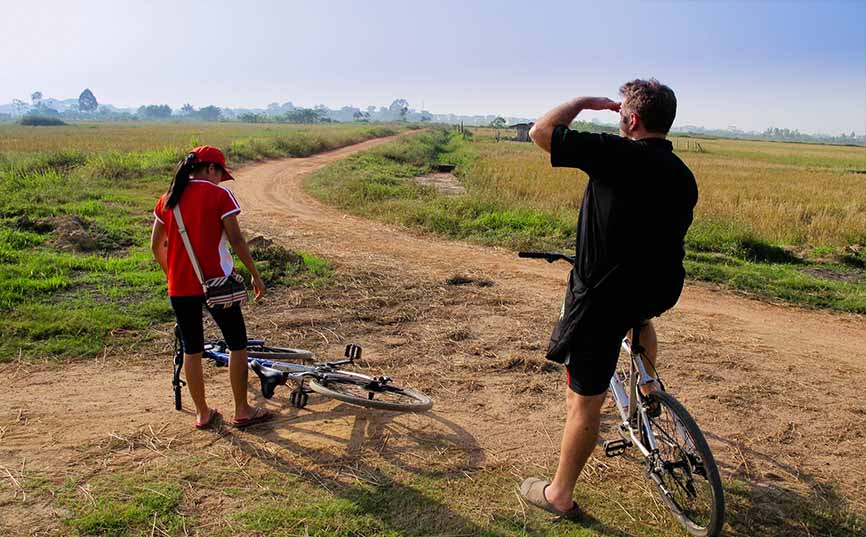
628, 268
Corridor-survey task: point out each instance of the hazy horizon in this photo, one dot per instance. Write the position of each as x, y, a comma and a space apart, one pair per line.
797, 65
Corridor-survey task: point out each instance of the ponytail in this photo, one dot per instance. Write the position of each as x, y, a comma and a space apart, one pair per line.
180, 181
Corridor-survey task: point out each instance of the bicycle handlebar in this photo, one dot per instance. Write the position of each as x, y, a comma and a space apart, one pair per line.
550, 257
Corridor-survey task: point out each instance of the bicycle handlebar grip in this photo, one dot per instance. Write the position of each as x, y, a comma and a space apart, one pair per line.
177, 402
533, 255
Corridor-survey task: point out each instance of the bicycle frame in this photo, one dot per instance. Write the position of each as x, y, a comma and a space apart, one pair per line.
295, 371
628, 404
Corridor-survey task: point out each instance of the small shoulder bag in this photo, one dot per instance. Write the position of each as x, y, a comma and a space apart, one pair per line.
225, 291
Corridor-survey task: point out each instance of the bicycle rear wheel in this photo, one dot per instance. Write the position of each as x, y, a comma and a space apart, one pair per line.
369, 392
685, 471
278, 353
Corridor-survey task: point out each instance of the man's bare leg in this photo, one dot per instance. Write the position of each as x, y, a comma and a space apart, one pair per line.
650, 343
582, 421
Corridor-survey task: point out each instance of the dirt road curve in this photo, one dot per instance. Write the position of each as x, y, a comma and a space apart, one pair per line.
778, 389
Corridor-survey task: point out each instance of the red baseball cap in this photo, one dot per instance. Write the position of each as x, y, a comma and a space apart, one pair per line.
212, 155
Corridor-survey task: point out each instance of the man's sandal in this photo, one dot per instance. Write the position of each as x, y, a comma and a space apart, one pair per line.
532, 490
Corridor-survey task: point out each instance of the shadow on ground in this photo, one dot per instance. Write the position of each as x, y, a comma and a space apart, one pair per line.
407, 494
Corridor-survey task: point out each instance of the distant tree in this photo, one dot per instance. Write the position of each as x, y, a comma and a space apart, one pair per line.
425, 117
498, 123
361, 116
371, 110
154, 111
210, 113
36, 98
399, 108
43, 111
42, 121
303, 115
187, 110
249, 117
19, 106
87, 101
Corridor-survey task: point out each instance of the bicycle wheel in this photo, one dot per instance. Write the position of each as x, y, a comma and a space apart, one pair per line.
278, 353
685, 470
369, 392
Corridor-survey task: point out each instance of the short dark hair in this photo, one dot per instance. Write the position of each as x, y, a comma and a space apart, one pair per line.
653, 102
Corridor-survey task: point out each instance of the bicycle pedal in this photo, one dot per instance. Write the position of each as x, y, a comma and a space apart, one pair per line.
299, 398
353, 352
614, 448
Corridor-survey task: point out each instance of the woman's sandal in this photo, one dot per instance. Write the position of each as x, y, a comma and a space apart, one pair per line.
532, 490
214, 414
260, 415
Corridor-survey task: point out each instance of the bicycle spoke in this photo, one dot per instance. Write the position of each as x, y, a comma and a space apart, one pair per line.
680, 467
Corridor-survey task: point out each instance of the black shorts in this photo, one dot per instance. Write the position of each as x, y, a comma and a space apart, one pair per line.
188, 311
593, 357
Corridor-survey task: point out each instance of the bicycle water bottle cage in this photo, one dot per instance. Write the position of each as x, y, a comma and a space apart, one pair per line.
270, 378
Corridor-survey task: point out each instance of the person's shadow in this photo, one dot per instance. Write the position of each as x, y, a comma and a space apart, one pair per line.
397, 468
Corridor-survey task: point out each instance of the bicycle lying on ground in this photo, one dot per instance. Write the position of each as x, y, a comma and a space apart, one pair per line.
325, 378
677, 457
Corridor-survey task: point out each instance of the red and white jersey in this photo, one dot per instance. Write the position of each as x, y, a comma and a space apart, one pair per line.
203, 206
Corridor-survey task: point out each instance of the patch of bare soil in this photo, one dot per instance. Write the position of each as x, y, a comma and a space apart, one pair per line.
445, 183
777, 389
73, 233
850, 276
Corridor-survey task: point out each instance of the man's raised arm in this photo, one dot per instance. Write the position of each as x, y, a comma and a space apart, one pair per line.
542, 131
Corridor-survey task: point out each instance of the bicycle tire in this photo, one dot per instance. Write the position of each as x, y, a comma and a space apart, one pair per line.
347, 387
694, 463
279, 353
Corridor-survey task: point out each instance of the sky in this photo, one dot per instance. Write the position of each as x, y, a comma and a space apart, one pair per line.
749, 64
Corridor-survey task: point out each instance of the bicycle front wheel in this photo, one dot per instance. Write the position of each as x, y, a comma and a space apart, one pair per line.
369, 392
685, 471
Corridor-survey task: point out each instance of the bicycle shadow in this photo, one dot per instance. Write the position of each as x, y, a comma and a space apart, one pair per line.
771, 506
396, 465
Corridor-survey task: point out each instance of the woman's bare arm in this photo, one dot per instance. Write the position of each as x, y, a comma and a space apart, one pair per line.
159, 245
239, 245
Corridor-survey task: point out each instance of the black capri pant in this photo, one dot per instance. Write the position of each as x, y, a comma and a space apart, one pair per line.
188, 311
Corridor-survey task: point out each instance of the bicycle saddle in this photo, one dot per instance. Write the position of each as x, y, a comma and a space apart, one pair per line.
270, 378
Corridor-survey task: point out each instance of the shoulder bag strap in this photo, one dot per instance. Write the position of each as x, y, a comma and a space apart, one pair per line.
182, 230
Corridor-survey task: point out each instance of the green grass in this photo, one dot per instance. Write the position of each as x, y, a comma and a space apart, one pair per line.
378, 184
75, 265
283, 497
536, 208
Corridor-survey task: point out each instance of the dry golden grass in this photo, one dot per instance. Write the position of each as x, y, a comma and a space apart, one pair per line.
141, 136
783, 193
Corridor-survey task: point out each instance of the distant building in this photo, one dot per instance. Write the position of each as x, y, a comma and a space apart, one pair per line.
522, 131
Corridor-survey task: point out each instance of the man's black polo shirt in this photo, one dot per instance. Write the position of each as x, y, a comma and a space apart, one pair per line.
636, 209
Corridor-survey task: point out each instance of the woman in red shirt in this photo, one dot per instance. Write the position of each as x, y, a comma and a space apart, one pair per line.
209, 212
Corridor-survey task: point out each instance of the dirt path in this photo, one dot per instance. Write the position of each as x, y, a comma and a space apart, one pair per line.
777, 388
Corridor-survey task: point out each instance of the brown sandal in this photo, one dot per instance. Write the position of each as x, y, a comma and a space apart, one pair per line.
532, 490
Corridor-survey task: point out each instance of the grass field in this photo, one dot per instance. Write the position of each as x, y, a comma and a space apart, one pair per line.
75, 212
782, 220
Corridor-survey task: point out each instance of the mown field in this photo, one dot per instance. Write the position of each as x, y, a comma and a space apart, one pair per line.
786, 221
76, 273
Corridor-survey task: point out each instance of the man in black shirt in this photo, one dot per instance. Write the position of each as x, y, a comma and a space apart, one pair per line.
636, 209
